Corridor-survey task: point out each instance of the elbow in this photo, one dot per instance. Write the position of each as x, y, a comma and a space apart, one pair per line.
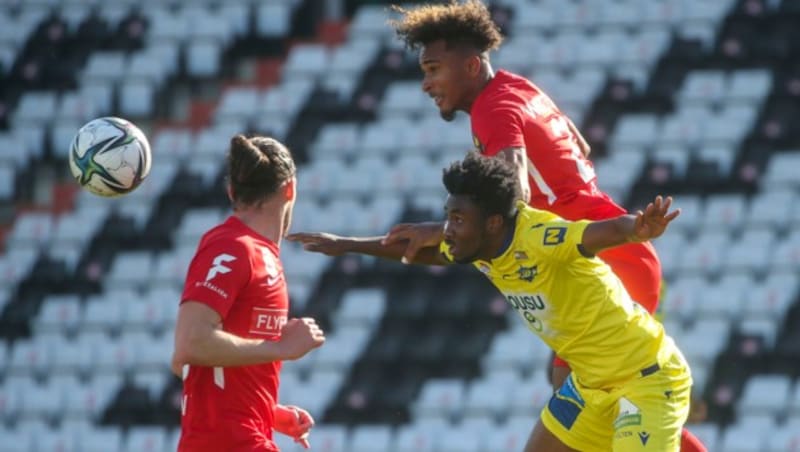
188, 348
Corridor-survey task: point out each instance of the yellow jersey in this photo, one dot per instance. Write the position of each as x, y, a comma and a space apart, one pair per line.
576, 304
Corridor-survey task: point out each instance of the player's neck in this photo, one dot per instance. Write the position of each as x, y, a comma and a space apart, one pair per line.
267, 220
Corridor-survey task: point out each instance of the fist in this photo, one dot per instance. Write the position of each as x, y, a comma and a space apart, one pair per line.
300, 336
293, 422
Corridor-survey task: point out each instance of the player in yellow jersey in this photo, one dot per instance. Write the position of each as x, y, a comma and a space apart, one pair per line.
630, 386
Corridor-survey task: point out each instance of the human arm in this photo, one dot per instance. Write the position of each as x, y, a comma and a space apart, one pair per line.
644, 226
518, 158
395, 249
200, 341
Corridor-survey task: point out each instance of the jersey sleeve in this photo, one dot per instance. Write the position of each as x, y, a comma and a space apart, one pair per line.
497, 129
217, 274
558, 240
445, 251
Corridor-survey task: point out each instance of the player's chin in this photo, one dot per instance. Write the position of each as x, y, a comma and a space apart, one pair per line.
447, 114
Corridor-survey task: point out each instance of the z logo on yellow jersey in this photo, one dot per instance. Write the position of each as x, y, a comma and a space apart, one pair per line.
554, 235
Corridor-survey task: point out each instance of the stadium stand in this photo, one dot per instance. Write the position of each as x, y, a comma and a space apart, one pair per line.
693, 98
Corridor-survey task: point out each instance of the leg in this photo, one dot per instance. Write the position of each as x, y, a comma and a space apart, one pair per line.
541, 440
559, 370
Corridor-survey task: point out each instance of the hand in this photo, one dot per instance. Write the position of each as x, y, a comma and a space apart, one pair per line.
298, 337
418, 235
294, 422
320, 242
654, 220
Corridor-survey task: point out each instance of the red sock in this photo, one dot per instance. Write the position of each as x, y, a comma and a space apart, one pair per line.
690, 443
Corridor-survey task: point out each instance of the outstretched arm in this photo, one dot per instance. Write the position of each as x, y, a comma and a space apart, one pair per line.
334, 245
641, 227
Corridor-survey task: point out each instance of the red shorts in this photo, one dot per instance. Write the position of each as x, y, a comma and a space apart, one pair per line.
638, 267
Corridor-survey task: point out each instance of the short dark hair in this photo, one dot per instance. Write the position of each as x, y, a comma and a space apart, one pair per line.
257, 167
490, 182
458, 24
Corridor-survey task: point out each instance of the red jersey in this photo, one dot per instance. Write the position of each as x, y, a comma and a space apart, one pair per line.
237, 273
513, 112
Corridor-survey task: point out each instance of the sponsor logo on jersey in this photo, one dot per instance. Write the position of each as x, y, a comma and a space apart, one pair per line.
644, 436
528, 273
218, 266
629, 414
267, 321
270, 266
554, 235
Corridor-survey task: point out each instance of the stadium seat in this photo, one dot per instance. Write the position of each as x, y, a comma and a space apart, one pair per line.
486, 398
59, 313
273, 19
203, 58
104, 439
705, 86
370, 438
31, 230
705, 253
406, 98
769, 208
130, 269
780, 169
62, 440
773, 297
440, 398
751, 251
136, 98
420, 436
15, 440
363, 307
742, 439
459, 440
29, 356
75, 107
532, 394
145, 439
329, 438
749, 85
347, 343
306, 61
765, 394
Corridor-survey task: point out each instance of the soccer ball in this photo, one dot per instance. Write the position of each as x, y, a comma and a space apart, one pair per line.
109, 156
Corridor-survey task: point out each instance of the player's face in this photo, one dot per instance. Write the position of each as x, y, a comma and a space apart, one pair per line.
464, 229
445, 72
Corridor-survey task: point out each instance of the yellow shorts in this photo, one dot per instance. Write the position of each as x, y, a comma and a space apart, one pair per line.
647, 413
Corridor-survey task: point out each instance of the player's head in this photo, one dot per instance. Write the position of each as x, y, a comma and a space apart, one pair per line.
260, 169
454, 40
483, 192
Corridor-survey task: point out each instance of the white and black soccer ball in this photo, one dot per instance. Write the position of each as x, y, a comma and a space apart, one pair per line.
109, 156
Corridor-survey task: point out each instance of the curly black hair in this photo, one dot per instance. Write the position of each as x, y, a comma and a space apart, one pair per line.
491, 183
458, 24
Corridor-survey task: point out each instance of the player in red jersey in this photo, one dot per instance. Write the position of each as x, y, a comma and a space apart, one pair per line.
513, 119
233, 330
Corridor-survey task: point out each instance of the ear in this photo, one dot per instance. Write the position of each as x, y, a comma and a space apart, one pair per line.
229, 191
474, 64
494, 224
290, 189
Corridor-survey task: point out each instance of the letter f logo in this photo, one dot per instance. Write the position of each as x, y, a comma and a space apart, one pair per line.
218, 267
